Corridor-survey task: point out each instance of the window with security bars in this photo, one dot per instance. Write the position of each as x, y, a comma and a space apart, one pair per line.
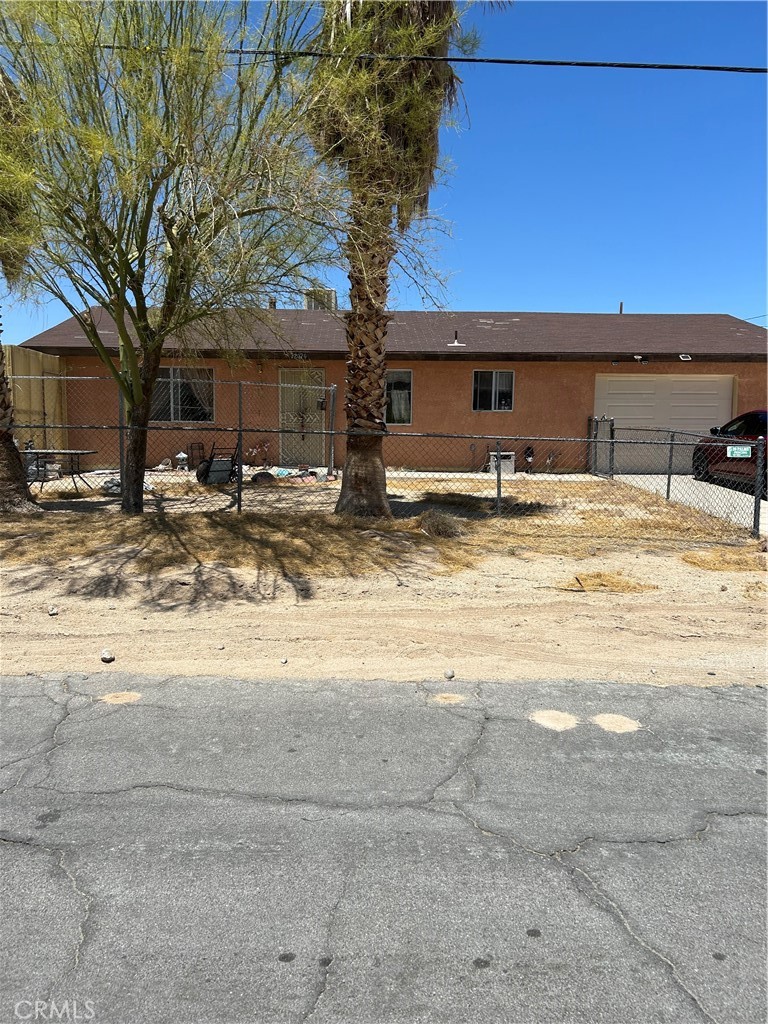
399, 390
183, 395
493, 391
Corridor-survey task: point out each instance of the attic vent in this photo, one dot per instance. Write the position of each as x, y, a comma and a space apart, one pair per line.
320, 298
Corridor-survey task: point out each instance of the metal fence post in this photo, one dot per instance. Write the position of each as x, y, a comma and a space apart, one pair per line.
239, 446
612, 447
121, 436
759, 483
596, 447
332, 426
498, 478
669, 462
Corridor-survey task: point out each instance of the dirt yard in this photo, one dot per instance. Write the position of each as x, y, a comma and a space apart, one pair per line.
315, 596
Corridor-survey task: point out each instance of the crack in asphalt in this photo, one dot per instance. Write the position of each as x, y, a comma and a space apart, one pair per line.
328, 959
272, 799
67, 712
480, 716
604, 902
52, 739
84, 898
87, 902
25, 757
601, 899
595, 894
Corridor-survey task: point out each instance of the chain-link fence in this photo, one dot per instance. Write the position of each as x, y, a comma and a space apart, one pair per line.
270, 448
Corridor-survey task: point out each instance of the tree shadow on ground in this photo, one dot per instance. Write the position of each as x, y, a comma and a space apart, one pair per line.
468, 506
198, 560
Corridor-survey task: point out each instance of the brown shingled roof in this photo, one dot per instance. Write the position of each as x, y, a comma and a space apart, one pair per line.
495, 335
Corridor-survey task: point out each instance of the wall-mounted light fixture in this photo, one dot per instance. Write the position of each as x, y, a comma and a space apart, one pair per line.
637, 358
685, 357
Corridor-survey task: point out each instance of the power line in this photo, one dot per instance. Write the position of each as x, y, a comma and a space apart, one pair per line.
761, 317
505, 61
510, 61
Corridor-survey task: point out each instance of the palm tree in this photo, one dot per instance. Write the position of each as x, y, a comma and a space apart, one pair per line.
378, 120
14, 496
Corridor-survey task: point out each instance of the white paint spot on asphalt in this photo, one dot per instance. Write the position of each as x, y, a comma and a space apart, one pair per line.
559, 721
616, 723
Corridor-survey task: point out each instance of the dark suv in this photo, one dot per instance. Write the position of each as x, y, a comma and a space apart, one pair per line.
731, 460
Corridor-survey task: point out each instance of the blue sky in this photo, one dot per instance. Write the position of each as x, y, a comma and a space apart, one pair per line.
575, 189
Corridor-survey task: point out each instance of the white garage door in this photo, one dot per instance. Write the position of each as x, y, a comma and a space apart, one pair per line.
691, 403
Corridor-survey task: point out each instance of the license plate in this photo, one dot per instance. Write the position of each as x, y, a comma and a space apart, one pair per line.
739, 451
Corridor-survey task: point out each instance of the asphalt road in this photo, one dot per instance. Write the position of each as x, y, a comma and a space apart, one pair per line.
374, 854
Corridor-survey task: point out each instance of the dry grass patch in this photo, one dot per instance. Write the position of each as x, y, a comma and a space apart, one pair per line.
547, 508
746, 559
437, 524
756, 591
312, 544
605, 582
547, 513
285, 532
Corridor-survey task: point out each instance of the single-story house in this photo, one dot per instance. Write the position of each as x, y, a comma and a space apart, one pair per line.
480, 373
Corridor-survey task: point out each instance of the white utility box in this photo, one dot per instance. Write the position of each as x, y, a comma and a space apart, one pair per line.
507, 462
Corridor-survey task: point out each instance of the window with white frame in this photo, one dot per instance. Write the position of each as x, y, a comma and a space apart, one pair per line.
493, 391
183, 395
399, 390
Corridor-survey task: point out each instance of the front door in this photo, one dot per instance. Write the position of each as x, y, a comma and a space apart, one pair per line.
302, 409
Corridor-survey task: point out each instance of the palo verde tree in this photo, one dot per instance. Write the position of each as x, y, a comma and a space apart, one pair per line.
378, 119
170, 181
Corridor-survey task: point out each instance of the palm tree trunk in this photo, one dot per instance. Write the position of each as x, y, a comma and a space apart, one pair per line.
14, 494
364, 481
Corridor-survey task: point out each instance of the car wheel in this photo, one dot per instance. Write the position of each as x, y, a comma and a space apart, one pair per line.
700, 467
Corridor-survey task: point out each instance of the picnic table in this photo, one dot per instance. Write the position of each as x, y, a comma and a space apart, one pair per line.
70, 466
